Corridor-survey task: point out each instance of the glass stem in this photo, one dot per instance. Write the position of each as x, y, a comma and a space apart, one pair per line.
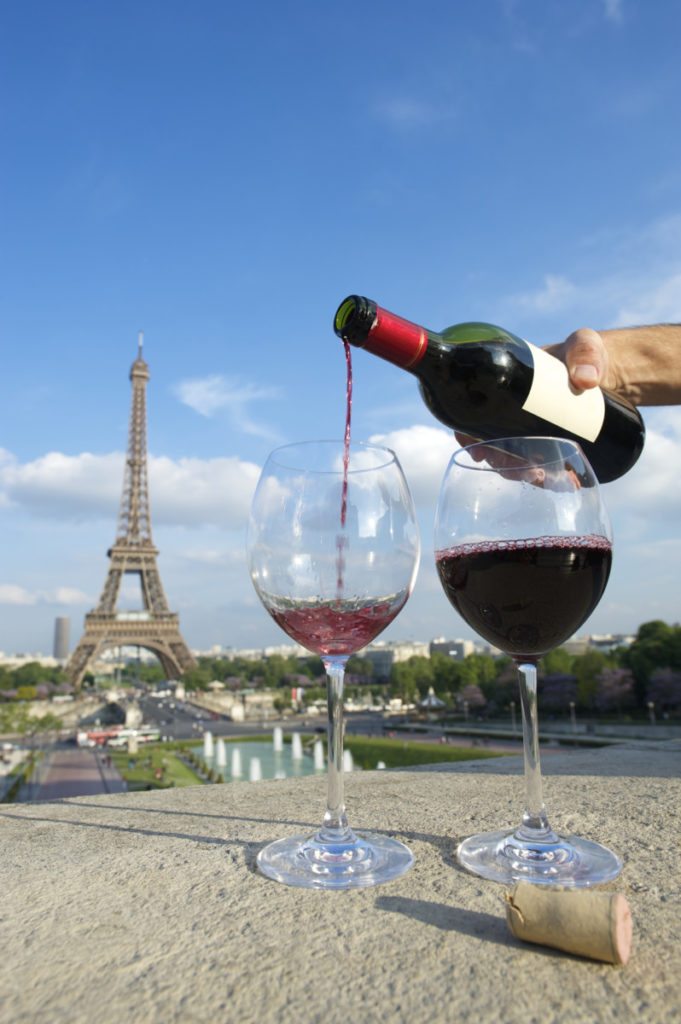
535, 821
335, 827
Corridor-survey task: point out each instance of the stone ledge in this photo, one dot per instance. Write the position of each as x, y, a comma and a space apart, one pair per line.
147, 907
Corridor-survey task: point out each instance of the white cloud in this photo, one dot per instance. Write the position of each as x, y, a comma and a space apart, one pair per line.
557, 293
644, 505
206, 556
407, 112
194, 491
648, 499
613, 10
68, 595
659, 302
208, 395
81, 486
214, 557
628, 277
12, 593
646, 502
86, 487
424, 453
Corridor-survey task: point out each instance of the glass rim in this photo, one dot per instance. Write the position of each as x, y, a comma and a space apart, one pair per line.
275, 456
504, 445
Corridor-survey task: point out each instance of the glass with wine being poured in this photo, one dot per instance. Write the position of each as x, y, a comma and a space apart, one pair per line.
523, 550
333, 552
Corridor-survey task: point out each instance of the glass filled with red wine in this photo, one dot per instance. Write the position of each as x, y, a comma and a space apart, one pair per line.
523, 548
333, 551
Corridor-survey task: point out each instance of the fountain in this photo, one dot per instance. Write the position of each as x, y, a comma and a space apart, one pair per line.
208, 746
254, 770
221, 755
296, 747
236, 763
278, 739
380, 766
319, 755
348, 763
280, 774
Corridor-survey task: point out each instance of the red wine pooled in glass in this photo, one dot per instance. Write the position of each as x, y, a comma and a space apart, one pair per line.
526, 596
328, 629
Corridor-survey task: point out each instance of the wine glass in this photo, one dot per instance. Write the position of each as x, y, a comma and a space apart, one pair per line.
333, 553
523, 551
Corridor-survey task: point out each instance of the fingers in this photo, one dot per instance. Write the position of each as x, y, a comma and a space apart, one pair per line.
585, 356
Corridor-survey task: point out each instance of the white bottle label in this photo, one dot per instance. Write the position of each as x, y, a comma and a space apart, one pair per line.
553, 397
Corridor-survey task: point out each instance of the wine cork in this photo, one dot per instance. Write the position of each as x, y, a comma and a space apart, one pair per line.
590, 924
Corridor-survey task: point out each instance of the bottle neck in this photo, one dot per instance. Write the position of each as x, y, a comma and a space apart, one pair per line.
366, 325
397, 340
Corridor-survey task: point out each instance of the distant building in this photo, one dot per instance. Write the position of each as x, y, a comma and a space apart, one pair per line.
12, 661
384, 655
603, 642
457, 649
260, 653
607, 642
62, 626
576, 645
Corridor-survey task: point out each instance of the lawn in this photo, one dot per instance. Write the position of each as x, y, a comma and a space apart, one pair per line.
157, 766
397, 753
154, 767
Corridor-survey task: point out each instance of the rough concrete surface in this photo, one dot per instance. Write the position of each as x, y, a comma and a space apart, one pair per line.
147, 907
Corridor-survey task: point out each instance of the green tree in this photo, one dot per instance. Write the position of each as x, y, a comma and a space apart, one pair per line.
197, 678
411, 678
361, 668
13, 718
587, 668
557, 662
447, 674
26, 693
503, 688
276, 669
657, 645
472, 696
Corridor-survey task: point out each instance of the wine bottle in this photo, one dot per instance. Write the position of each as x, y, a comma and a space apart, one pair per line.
486, 382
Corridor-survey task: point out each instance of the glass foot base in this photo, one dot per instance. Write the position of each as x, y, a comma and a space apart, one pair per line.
350, 863
561, 861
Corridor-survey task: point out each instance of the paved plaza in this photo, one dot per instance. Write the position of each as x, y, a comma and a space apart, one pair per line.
148, 906
74, 771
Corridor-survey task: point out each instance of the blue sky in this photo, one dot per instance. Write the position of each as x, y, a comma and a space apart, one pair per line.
220, 176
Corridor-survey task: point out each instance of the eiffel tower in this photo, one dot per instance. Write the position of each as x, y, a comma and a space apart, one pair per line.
155, 628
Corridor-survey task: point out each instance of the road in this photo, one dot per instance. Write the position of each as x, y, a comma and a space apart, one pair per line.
180, 720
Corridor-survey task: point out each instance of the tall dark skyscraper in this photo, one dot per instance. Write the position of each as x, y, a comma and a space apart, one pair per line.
62, 625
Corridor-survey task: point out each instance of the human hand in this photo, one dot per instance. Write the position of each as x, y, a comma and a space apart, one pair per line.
586, 357
513, 466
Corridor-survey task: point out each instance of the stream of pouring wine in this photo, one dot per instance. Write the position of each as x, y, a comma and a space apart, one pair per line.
341, 539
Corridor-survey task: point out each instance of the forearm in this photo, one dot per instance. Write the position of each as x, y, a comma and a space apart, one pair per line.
642, 364
645, 363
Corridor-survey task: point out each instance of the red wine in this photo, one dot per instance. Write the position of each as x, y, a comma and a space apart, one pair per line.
346, 435
526, 596
333, 629
486, 382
